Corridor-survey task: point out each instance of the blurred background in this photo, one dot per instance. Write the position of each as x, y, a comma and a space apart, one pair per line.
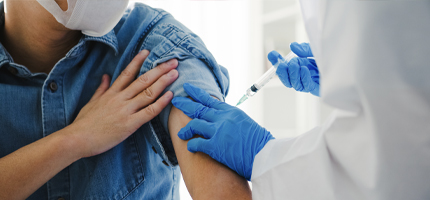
240, 34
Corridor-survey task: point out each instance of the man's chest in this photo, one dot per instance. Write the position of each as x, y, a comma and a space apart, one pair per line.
36, 106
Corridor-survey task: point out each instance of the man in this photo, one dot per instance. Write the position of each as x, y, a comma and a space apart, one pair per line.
56, 143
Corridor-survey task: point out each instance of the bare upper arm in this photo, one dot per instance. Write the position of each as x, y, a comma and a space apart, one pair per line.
205, 178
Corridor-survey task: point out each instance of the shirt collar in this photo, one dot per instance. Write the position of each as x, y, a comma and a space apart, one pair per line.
109, 39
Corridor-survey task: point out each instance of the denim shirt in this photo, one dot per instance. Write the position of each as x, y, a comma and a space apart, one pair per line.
144, 166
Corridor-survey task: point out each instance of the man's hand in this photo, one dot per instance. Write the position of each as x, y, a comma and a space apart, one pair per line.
114, 113
110, 117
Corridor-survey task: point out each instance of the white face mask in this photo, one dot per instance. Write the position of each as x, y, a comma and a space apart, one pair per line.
93, 17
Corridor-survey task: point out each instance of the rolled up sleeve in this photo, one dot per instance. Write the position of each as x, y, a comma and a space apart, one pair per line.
196, 66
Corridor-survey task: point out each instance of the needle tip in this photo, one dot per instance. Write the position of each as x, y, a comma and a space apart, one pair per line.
242, 100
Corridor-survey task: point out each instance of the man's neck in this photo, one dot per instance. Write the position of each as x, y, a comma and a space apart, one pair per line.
34, 39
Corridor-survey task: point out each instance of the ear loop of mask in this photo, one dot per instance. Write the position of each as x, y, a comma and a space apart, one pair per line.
60, 15
78, 8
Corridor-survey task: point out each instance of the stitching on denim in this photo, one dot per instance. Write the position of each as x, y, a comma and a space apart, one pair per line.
174, 179
145, 42
166, 158
138, 154
132, 190
42, 96
146, 31
165, 139
64, 104
175, 44
187, 37
104, 41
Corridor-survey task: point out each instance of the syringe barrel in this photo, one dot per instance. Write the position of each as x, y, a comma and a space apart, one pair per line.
289, 56
265, 78
272, 71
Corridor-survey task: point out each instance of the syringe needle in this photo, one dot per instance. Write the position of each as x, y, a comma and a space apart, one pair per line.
242, 100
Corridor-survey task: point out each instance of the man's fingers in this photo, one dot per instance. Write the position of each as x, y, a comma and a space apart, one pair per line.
199, 144
148, 113
203, 97
194, 109
104, 85
151, 93
147, 79
197, 127
130, 72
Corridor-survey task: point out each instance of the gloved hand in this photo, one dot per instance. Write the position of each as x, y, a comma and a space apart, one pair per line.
301, 73
230, 136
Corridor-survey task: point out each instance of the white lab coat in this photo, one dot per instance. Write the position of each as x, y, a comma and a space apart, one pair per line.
374, 60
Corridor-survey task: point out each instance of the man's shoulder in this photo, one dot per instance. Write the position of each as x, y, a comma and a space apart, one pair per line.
139, 19
139, 12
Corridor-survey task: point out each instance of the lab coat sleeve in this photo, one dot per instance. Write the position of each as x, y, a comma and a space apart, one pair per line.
302, 168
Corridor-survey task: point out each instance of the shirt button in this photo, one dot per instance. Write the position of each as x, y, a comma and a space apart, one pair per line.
53, 86
13, 70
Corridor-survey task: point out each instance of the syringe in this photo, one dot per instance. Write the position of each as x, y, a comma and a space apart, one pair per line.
265, 78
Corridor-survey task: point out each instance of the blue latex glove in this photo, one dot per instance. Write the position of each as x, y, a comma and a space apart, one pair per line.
300, 73
230, 136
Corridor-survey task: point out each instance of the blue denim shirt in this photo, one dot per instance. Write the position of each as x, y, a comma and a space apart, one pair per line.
144, 166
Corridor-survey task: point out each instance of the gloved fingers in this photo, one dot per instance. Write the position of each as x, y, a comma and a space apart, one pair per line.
302, 50
313, 63
316, 91
199, 144
273, 57
282, 73
294, 74
308, 83
203, 97
306, 79
197, 127
194, 109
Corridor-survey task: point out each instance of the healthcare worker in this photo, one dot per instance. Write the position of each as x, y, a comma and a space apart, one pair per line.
372, 56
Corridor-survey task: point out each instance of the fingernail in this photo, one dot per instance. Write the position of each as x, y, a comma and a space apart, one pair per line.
144, 52
172, 73
171, 62
169, 95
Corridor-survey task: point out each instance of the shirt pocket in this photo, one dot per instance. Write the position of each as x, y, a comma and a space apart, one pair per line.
110, 175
